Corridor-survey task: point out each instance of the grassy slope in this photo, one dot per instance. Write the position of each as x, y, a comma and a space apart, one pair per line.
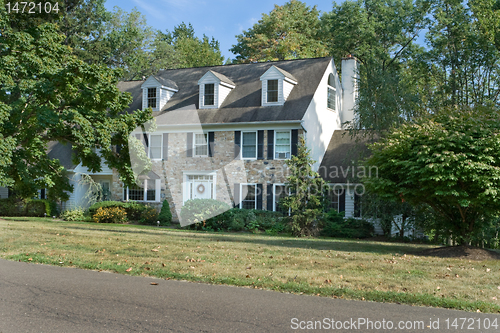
340, 268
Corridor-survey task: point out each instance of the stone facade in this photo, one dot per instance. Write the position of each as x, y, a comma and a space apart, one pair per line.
223, 165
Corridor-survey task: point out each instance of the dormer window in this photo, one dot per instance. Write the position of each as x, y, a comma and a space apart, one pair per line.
209, 94
332, 93
152, 98
214, 88
272, 91
277, 84
156, 92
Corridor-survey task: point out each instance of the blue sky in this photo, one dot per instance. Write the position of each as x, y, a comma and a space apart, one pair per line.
222, 19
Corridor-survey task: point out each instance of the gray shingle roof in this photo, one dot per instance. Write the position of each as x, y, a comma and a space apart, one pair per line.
243, 104
63, 152
288, 75
342, 155
166, 82
222, 77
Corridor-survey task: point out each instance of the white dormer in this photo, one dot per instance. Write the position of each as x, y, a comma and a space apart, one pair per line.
156, 91
276, 86
214, 88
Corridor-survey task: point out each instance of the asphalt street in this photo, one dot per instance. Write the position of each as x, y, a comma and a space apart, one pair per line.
42, 298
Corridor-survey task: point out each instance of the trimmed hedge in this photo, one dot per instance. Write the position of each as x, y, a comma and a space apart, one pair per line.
110, 215
336, 226
134, 209
165, 216
26, 207
199, 211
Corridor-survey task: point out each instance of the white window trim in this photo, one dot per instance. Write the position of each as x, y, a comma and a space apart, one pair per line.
156, 98
185, 185
289, 148
161, 146
241, 196
277, 91
335, 98
194, 144
274, 196
205, 94
256, 145
145, 194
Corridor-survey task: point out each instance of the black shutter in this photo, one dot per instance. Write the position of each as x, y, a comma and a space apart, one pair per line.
260, 145
259, 196
165, 146
211, 144
237, 195
295, 141
237, 143
141, 137
270, 144
189, 147
118, 149
269, 197
342, 200
42, 193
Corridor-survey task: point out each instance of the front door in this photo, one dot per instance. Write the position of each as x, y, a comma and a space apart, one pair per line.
105, 191
201, 186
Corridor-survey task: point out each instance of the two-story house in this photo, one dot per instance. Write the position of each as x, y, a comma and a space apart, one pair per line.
225, 132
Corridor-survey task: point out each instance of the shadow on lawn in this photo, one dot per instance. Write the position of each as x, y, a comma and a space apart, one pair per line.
346, 245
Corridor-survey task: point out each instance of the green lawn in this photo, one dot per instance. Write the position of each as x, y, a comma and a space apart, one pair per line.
352, 269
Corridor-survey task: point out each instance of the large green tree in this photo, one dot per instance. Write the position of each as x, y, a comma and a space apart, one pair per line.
382, 35
48, 94
288, 32
191, 51
449, 161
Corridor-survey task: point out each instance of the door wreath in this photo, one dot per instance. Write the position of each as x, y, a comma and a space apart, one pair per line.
200, 188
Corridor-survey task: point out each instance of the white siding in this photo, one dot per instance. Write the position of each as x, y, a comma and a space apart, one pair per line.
349, 203
287, 89
319, 121
165, 95
349, 85
4, 192
223, 92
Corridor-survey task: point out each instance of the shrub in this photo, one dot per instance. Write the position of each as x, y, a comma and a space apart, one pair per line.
134, 209
24, 207
76, 214
165, 216
110, 215
202, 210
149, 216
336, 226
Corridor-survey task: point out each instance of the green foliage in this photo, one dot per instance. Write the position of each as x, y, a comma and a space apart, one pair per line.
336, 226
191, 51
449, 161
26, 207
200, 210
134, 209
48, 94
76, 214
306, 187
110, 215
487, 13
288, 32
149, 216
165, 216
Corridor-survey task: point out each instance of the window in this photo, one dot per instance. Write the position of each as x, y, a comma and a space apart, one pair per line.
146, 189
334, 199
357, 205
209, 94
155, 147
279, 193
249, 144
200, 144
152, 98
332, 93
272, 91
282, 146
250, 201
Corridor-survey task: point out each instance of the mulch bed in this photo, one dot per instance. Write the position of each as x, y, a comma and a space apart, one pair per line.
461, 252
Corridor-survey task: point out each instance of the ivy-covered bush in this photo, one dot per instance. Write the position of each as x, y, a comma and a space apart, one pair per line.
149, 216
110, 215
134, 209
24, 207
200, 211
336, 226
76, 214
165, 216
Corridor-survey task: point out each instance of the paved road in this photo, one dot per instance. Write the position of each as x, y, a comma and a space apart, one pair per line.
41, 298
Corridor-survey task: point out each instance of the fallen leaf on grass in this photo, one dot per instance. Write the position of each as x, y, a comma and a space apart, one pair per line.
30, 259
154, 283
128, 270
154, 250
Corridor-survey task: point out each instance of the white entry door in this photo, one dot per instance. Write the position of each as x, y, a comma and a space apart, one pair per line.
201, 186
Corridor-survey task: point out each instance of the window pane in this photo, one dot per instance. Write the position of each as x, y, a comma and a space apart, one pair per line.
209, 94
282, 147
272, 91
151, 195
200, 139
155, 140
249, 145
333, 199
279, 193
331, 98
152, 97
249, 201
200, 144
155, 153
201, 150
